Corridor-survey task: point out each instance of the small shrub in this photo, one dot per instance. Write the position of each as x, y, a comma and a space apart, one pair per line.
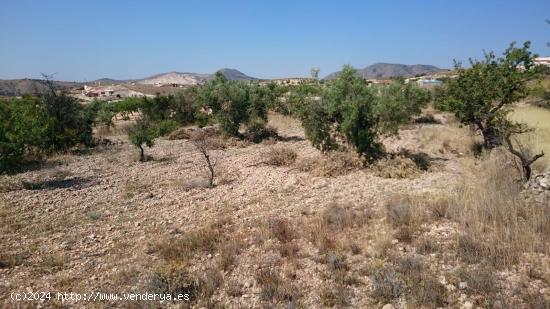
234, 288
173, 280
338, 296
480, 279
281, 229
289, 250
273, 287
396, 168
388, 284
211, 281
166, 127
425, 245
281, 156
338, 217
258, 132
332, 165
428, 291
398, 211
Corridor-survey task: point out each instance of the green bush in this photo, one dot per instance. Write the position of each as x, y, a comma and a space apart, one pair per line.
350, 112
235, 102
23, 130
166, 127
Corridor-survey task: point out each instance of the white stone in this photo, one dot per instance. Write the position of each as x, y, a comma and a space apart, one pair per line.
462, 285
467, 305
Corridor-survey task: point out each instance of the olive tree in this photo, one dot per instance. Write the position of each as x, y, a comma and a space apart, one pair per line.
349, 112
480, 95
143, 133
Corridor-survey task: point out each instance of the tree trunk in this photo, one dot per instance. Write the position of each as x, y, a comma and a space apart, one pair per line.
491, 137
141, 154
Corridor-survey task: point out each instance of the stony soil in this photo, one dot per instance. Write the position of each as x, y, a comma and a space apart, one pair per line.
90, 222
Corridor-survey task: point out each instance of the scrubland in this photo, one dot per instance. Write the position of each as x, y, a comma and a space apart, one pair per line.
432, 225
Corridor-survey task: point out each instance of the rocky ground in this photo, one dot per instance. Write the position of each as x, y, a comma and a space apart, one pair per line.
309, 232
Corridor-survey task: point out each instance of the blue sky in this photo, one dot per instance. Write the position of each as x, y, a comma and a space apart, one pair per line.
86, 40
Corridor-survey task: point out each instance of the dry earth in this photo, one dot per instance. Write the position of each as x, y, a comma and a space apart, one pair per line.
265, 235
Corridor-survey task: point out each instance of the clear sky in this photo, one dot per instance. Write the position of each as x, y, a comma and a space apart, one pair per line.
86, 40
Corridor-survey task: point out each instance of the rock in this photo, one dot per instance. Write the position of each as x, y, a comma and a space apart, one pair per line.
388, 306
462, 285
467, 305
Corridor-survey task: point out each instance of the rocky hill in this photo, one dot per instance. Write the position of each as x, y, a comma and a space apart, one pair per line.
387, 70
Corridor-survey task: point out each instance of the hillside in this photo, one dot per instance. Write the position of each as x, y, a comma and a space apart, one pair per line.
192, 78
19, 87
387, 70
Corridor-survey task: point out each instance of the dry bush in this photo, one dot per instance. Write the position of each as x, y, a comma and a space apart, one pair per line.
499, 224
229, 252
173, 279
234, 288
334, 164
382, 241
281, 156
205, 144
210, 282
480, 280
274, 288
281, 229
406, 213
334, 219
339, 217
425, 245
335, 296
388, 284
396, 168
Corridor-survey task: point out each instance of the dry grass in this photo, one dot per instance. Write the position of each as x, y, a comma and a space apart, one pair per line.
446, 139
206, 239
538, 140
499, 225
281, 156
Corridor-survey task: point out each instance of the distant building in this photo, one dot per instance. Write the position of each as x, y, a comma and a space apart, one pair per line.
429, 82
542, 61
288, 81
110, 92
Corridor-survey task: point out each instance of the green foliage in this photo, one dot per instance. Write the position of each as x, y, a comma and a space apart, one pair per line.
349, 110
481, 94
235, 102
70, 121
166, 127
143, 133
184, 105
23, 130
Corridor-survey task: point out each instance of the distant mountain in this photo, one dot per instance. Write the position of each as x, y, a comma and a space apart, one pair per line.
387, 70
19, 87
192, 78
232, 74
